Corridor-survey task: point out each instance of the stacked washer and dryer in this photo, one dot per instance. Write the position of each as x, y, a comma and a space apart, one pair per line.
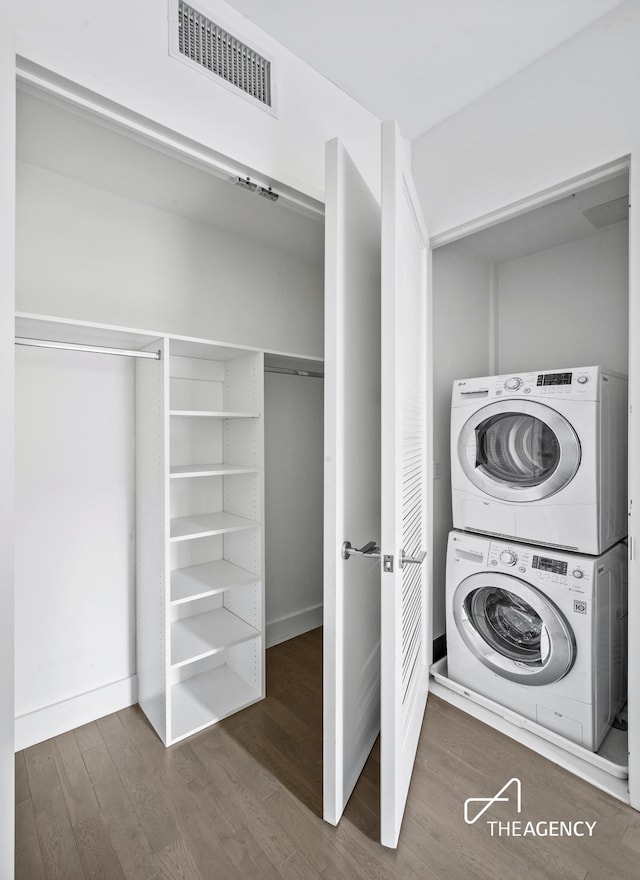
536, 564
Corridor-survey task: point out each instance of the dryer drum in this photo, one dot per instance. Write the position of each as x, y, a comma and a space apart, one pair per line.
521, 452
517, 449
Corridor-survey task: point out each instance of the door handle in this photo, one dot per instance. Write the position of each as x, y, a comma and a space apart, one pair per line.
371, 549
412, 560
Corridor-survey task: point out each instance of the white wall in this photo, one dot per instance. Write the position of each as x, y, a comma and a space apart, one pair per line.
7, 203
294, 468
92, 255
120, 50
462, 328
567, 306
564, 115
75, 538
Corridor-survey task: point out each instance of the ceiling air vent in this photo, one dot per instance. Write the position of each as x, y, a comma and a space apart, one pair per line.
215, 50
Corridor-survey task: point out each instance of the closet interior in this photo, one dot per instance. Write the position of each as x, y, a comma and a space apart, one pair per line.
153, 508
546, 289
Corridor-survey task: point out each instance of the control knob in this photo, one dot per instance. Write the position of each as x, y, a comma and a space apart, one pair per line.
577, 573
508, 557
582, 380
513, 383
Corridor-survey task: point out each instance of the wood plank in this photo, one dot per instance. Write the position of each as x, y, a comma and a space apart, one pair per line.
23, 792
298, 868
28, 858
121, 820
88, 736
148, 798
57, 843
74, 779
92, 838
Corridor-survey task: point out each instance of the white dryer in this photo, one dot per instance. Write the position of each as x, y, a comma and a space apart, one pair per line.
542, 457
541, 632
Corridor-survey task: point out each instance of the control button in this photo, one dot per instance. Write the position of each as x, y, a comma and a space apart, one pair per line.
522, 569
526, 390
554, 578
577, 573
513, 383
582, 380
563, 580
508, 557
498, 393
494, 562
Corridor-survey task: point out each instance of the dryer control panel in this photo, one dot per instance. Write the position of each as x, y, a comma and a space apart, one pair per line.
576, 383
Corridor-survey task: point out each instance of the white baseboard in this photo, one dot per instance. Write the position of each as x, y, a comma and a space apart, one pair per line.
293, 625
35, 727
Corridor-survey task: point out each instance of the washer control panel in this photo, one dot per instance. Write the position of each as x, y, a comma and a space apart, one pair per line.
518, 559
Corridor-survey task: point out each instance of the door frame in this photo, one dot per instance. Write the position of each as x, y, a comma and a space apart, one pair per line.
630, 164
7, 412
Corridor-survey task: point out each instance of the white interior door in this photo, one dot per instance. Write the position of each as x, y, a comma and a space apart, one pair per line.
352, 477
405, 583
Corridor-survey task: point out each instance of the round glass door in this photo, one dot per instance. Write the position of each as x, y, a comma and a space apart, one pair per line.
513, 629
508, 624
518, 451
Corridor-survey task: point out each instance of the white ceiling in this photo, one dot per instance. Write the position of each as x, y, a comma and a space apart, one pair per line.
554, 224
419, 61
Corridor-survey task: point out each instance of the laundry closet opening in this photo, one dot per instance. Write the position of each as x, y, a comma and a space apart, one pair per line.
543, 293
126, 244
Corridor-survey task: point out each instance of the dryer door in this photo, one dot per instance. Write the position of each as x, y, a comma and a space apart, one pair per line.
513, 628
518, 450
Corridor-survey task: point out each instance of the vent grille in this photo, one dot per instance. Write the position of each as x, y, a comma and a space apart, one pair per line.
207, 44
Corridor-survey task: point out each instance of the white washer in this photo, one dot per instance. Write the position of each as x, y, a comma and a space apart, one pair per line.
541, 457
541, 632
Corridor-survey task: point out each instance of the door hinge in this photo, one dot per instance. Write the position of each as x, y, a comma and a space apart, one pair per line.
387, 563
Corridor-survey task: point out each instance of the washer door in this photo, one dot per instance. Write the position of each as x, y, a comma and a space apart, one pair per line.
518, 450
513, 628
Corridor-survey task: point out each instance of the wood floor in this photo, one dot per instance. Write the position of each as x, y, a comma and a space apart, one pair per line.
244, 800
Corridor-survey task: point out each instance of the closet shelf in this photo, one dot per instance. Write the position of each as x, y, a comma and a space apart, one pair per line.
206, 698
207, 579
193, 638
209, 470
200, 525
212, 414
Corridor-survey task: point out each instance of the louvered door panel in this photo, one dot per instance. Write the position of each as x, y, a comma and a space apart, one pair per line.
405, 595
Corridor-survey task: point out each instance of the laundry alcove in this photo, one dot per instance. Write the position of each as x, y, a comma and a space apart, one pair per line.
543, 287
131, 242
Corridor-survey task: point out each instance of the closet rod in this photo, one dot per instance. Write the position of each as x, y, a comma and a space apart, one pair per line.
288, 372
46, 343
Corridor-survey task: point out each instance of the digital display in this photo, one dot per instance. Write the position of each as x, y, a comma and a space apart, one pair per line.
554, 379
552, 565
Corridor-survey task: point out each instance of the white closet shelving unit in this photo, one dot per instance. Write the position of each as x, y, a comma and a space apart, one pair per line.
200, 550
200, 509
